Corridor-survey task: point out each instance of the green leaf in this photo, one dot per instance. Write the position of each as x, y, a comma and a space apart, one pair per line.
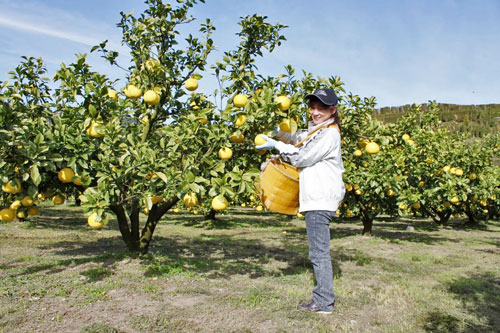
163, 177
35, 175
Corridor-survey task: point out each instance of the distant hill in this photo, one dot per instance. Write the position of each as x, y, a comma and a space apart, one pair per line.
479, 120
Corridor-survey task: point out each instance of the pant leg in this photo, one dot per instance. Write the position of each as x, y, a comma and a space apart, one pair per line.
318, 234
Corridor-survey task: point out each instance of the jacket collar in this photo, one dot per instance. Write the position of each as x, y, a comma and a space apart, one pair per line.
311, 127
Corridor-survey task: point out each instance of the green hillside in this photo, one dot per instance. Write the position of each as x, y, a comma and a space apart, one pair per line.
479, 120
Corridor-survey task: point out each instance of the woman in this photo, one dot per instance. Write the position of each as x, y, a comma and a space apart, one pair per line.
321, 188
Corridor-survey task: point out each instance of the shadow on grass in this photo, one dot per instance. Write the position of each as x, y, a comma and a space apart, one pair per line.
480, 296
212, 256
228, 221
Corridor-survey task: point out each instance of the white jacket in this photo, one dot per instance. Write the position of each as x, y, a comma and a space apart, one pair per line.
319, 161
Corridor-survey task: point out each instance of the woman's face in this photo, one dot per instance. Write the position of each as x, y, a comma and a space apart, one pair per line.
320, 112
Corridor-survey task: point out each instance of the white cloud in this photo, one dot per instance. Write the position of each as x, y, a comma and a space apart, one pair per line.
48, 31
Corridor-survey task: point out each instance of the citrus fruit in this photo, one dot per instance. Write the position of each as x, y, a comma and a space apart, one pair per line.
286, 125
225, 153
95, 129
237, 138
65, 175
240, 100
259, 140
15, 204
58, 199
95, 221
131, 91
7, 215
151, 97
12, 189
283, 102
27, 201
190, 199
372, 148
240, 120
219, 203
191, 84
112, 94
32, 211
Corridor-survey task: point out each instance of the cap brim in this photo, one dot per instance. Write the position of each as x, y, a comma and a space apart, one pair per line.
309, 96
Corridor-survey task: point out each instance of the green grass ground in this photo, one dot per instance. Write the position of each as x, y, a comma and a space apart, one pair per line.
246, 272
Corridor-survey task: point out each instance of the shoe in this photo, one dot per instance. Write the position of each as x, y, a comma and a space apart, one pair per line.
311, 307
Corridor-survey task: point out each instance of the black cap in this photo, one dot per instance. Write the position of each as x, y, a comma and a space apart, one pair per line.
326, 96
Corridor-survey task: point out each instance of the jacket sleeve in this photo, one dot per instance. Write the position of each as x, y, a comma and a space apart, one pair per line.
312, 151
288, 138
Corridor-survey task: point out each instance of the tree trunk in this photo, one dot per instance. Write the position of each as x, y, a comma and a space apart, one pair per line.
211, 215
470, 215
124, 226
129, 224
156, 213
367, 226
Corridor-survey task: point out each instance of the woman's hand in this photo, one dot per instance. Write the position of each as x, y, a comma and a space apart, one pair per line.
270, 143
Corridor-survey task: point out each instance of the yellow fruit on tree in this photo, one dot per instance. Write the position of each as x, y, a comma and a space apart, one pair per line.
240, 120
12, 189
95, 129
402, 206
237, 138
358, 153
259, 208
283, 102
151, 97
446, 168
259, 140
416, 205
405, 137
348, 187
459, 172
79, 180
390, 193
131, 91
58, 199
7, 215
219, 203
95, 221
32, 211
204, 120
21, 215
240, 100
225, 153
156, 199
286, 125
454, 200
65, 175
176, 210
410, 142
472, 176
112, 94
190, 199
27, 201
15, 205
372, 148
191, 84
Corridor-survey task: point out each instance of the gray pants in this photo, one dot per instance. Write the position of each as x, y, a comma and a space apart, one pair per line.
318, 235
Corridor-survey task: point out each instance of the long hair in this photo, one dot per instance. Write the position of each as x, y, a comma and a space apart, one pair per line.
336, 119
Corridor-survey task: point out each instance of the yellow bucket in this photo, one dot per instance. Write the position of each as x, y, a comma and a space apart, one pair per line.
279, 184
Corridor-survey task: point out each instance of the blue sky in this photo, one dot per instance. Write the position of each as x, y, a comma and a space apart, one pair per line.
400, 51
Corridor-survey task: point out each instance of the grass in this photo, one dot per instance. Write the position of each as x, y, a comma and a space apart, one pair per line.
246, 273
